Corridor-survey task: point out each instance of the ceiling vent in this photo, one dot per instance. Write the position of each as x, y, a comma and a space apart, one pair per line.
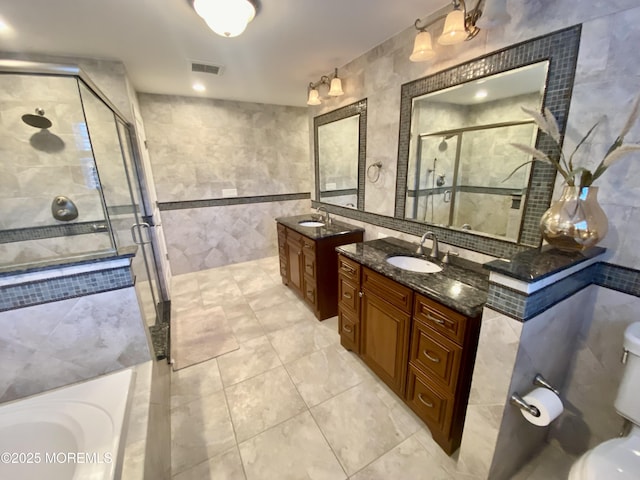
206, 68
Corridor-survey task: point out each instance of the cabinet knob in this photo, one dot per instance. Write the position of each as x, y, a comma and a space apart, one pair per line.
361, 294
425, 402
434, 359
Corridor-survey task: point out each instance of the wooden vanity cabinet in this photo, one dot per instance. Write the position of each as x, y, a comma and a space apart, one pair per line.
309, 267
421, 349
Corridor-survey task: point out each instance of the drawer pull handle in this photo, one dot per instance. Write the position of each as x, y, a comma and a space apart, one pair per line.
434, 359
439, 321
421, 398
347, 269
347, 329
347, 295
306, 245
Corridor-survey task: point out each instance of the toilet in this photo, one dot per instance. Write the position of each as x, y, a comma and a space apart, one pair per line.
619, 459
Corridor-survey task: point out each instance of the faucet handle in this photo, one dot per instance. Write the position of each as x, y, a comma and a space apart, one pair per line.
449, 253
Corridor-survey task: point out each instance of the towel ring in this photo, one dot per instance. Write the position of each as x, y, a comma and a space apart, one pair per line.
378, 165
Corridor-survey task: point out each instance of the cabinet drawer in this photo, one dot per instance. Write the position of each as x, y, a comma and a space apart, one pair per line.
348, 295
349, 330
309, 245
349, 269
438, 356
309, 264
449, 323
309, 292
432, 405
293, 237
394, 293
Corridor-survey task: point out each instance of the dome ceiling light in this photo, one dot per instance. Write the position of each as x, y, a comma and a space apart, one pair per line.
227, 18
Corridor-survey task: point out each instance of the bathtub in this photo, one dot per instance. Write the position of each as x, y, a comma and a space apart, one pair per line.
70, 433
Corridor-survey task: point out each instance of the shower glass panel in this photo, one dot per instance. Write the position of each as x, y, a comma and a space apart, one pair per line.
45, 153
111, 145
484, 189
433, 179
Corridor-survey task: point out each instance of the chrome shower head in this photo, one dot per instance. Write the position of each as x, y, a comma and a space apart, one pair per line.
38, 120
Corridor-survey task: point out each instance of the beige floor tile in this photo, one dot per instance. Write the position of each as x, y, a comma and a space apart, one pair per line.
262, 402
284, 314
362, 423
200, 430
324, 374
224, 291
408, 460
199, 336
227, 466
243, 322
252, 358
292, 450
293, 342
194, 382
270, 297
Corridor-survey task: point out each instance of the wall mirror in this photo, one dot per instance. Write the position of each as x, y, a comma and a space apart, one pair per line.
460, 159
340, 150
454, 152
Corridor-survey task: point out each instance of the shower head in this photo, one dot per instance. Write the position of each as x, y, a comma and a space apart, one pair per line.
443, 144
38, 120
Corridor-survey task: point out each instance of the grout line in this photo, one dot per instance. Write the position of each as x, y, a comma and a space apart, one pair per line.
233, 427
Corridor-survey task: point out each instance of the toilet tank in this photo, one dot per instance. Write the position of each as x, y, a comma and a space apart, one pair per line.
627, 403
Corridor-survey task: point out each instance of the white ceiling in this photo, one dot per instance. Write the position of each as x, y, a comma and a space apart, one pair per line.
289, 44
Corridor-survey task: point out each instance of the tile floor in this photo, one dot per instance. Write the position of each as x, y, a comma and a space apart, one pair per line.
291, 403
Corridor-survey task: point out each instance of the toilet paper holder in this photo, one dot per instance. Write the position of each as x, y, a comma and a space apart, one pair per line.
519, 402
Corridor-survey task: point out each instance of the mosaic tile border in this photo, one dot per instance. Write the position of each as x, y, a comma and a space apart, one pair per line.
561, 49
52, 231
490, 246
522, 307
62, 288
339, 193
356, 108
223, 202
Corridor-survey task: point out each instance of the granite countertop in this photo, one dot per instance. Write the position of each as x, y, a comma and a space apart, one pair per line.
536, 264
335, 228
461, 285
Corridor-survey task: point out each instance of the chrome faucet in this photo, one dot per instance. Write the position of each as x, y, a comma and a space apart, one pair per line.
435, 252
327, 216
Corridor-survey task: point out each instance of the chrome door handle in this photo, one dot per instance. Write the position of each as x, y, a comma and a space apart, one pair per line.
137, 226
428, 404
430, 357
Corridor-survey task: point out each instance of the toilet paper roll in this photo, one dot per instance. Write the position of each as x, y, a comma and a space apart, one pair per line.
548, 404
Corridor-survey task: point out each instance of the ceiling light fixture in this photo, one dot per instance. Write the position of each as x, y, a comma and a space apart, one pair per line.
227, 18
335, 88
198, 87
459, 25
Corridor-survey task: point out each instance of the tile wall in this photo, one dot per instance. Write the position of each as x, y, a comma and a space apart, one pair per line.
209, 149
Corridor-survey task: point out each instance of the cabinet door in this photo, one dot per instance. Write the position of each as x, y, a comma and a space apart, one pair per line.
384, 340
294, 264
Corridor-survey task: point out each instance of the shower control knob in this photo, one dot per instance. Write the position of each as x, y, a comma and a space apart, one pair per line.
60, 201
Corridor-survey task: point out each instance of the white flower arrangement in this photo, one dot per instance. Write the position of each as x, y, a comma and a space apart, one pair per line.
547, 123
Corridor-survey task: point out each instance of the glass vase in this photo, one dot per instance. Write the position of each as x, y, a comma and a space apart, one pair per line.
575, 221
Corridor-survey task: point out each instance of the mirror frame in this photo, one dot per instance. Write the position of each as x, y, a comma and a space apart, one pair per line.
561, 50
356, 108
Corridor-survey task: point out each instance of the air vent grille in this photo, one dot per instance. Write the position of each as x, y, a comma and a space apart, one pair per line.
205, 68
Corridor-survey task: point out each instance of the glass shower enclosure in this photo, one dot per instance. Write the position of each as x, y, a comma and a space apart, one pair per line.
69, 177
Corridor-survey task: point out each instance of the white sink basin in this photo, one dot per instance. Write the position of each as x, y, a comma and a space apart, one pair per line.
310, 223
414, 264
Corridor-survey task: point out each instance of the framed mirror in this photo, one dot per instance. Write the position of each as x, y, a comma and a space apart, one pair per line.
461, 164
454, 155
340, 151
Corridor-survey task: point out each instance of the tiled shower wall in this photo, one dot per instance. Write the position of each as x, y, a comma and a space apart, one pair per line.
205, 149
41, 164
